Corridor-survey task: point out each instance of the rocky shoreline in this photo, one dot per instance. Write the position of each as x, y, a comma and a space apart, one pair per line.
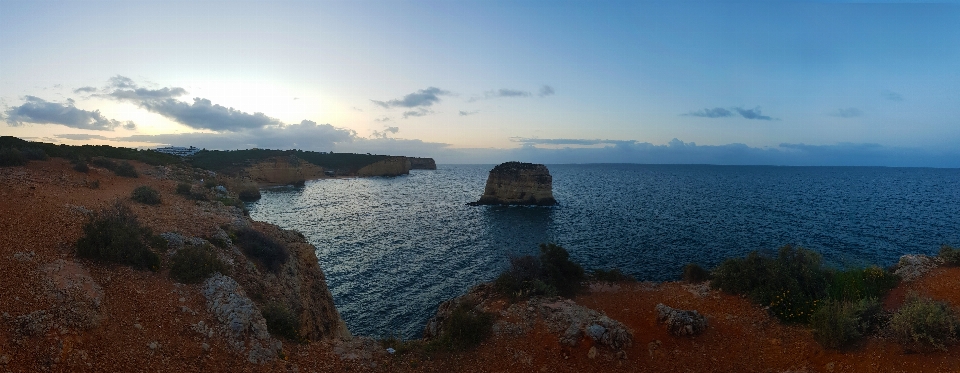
63, 313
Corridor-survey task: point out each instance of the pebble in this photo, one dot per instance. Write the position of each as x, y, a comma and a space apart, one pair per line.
153, 345
138, 326
205, 346
182, 299
592, 353
4, 359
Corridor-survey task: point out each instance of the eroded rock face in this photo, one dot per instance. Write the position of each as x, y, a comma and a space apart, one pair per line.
244, 326
283, 171
422, 163
518, 183
681, 322
391, 166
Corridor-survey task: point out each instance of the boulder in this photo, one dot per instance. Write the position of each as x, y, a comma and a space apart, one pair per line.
911, 267
681, 322
518, 183
243, 325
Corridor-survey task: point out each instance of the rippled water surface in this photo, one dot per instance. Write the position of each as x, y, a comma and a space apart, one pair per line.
394, 248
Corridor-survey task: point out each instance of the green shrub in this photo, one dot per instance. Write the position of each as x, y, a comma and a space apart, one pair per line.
80, 166
184, 189
838, 324
146, 195
103, 163
856, 284
613, 275
559, 271
11, 157
791, 284
950, 255
466, 328
258, 246
249, 194
694, 273
281, 322
34, 154
923, 324
193, 264
125, 169
115, 235
210, 183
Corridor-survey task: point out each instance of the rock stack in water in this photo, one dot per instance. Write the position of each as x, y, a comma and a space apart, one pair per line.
517, 183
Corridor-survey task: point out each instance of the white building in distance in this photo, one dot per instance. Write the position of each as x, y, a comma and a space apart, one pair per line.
178, 150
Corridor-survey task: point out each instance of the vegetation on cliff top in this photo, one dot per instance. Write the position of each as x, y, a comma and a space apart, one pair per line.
517, 166
216, 160
115, 235
90, 151
550, 274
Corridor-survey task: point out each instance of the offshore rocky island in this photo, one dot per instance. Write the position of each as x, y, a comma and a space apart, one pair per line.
196, 285
518, 183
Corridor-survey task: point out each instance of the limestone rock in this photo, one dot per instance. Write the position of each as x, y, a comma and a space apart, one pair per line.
576, 322
391, 166
681, 322
912, 267
422, 163
76, 295
517, 183
282, 171
245, 328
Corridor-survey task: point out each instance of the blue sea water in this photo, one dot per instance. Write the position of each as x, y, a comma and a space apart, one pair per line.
393, 248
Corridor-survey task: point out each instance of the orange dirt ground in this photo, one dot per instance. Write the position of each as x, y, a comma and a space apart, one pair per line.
38, 215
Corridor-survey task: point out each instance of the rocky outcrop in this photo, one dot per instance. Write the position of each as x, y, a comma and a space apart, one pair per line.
282, 171
298, 285
417, 163
681, 322
243, 325
517, 183
391, 166
911, 267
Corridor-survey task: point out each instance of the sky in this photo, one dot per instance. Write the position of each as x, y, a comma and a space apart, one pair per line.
708, 82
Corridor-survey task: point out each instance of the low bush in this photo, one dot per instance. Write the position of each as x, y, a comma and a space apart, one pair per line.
613, 275
126, 169
210, 183
184, 189
115, 235
34, 154
80, 166
103, 163
791, 284
146, 195
193, 264
923, 325
950, 255
249, 194
281, 322
550, 274
857, 284
270, 253
694, 273
838, 324
466, 328
11, 157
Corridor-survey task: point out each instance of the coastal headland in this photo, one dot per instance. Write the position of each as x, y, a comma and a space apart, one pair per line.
64, 312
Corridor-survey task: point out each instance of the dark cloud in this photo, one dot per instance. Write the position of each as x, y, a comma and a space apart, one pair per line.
86, 89
385, 133
890, 95
711, 113
752, 113
140, 95
203, 114
416, 113
421, 98
40, 111
546, 91
851, 112
465, 113
719, 112
307, 135
583, 142
82, 137
121, 82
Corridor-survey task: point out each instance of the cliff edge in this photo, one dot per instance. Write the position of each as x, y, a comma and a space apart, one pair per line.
518, 183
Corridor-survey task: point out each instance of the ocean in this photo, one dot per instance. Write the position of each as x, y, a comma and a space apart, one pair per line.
393, 248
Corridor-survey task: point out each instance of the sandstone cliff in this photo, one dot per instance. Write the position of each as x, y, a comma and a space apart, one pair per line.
391, 166
517, 183
417, 163
282, 171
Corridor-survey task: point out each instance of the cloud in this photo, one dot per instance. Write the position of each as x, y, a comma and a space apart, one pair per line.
847, 113
421, 98
307, 135
86, 89
203, 114
385, 133
416, 113
139, 95
82, 137
584, 142
890, 95
752, 113
40, 111
711, 113
120, 81
505, 92
719, 112
384, 119
546, 91
466, 113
